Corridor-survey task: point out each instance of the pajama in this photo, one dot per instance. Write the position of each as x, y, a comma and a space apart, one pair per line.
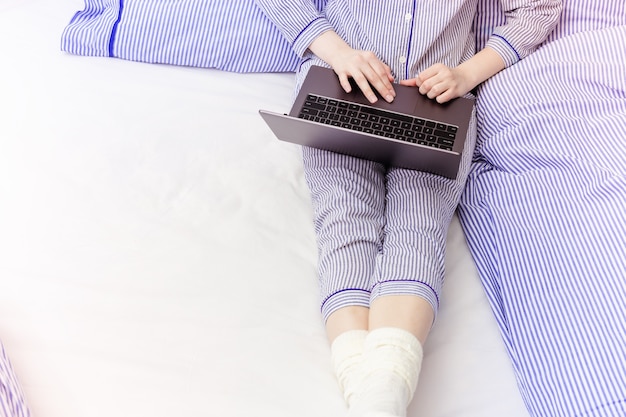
381, 231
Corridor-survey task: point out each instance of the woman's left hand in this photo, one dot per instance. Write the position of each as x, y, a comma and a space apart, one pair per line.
441, 82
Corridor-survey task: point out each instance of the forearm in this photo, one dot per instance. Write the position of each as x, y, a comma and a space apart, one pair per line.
329, 47
481, 67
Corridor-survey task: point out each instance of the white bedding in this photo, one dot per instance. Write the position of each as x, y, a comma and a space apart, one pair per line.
157, 256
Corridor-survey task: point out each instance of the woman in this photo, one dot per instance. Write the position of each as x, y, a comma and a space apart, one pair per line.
381, 230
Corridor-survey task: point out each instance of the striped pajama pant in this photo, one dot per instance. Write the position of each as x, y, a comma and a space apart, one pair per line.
380, 230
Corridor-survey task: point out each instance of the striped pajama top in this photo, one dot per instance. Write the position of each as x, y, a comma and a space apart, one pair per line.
412, 35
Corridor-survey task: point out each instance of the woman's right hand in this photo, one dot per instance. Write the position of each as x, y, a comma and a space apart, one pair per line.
363, 67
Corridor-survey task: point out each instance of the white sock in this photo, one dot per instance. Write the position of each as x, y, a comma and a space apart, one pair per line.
346, 356
391, 363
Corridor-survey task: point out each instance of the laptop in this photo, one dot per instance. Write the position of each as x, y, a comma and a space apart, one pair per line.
412, 132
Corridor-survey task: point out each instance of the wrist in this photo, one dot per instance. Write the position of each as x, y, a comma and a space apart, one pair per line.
328, 46
481, 67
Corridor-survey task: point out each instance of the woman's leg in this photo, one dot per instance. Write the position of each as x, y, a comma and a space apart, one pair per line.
349, 201
348, 197
411, 313
376, 231
381, 234
406, 285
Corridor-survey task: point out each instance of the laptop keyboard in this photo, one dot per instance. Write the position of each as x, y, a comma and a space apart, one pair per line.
379, 122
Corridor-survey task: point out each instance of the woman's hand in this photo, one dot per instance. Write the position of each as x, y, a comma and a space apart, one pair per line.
441, 82
363, 66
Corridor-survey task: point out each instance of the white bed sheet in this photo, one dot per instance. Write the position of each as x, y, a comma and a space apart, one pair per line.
157, 256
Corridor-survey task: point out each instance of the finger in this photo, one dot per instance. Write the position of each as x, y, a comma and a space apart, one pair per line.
345, 82
443, 92
434, 82
364, 85
387, 76
445, 97
385, 89
437, 90
380, 78
432, 76
381, 69
412, 82
425, 87
430, 72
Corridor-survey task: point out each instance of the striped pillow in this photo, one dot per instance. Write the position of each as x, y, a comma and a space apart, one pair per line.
578, 16
224, 34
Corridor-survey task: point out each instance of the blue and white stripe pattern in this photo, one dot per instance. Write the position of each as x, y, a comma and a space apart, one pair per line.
90, 30
412, 35
577, 16
222, 34
544, 216
12, 402
382, 231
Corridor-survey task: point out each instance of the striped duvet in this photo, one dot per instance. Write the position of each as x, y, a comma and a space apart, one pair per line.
545, 218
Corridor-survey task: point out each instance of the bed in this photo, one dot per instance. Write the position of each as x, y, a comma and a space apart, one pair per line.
157, 256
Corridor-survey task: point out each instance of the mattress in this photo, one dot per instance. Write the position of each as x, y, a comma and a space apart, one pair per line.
157, 255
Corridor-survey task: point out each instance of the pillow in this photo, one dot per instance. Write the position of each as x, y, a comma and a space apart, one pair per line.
577, 16
231, 35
